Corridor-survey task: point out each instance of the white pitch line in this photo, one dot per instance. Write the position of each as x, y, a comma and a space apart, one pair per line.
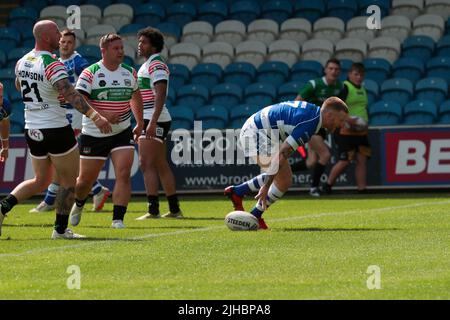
210, 228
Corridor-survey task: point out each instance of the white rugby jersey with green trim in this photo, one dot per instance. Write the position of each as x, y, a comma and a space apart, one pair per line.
152, 71
109, 91
37, 72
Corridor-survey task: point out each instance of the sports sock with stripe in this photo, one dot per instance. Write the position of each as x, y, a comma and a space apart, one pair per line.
252, 185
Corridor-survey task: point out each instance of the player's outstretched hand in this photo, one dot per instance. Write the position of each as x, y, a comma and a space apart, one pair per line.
103, 124
262, 196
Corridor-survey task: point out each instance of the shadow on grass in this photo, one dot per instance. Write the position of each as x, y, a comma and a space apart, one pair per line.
203, 218
71, 241
337, 229
29, 225
146, 227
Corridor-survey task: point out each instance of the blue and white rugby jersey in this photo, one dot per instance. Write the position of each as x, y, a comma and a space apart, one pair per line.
74, 66
296, 121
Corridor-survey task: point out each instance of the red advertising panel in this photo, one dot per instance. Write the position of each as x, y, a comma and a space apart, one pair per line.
417, 156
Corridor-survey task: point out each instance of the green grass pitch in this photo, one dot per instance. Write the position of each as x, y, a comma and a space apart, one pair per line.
316, 249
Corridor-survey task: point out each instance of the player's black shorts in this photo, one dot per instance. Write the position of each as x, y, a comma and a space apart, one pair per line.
53, 142
162, 129
100, 147
323, 133
348, 145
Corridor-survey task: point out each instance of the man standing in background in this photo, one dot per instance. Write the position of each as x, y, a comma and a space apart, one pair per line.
316, 91
153, 83
353, 144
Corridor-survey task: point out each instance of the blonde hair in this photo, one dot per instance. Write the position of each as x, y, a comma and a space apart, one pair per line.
334, 104
108, 38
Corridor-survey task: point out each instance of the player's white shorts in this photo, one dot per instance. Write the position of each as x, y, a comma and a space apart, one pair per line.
258, 142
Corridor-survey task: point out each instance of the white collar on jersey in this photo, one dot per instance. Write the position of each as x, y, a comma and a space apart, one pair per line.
70, 58
153, 55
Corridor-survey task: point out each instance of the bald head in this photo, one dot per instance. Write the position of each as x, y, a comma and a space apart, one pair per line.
47, 35
42, 27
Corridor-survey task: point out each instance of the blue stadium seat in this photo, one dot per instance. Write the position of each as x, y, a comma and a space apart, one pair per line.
102, 4
17, 127
2, 59
277, 10
181, 13
226, 94
432, 89
149, 14
384, 6
171, 96
306, 70
132, 28
439, 67
372, 90
14, 55
182, 117
38, 5
90, 52
343, 9
170, 28
212, 116
377, 69
165, 3
27, 35
419, 112
17, 117
129, 61
179, 75
345, 67
245, 11
310, 10
22, 18
134, 3
66, 3
444, 113
408, 68
240, 113
443, 46
398, 90
208, 74
273, 72
420, 47
193, 96
240, 73
9, 38
289, 91
7, 77
213, 12
385, 113
194, 2
262, 94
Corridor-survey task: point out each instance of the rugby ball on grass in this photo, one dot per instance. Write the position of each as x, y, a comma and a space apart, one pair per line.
241, 221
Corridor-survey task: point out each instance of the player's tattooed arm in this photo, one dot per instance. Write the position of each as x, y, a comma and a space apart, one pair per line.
72, 96
66, 89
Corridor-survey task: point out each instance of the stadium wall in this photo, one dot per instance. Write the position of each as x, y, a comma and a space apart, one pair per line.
403, 157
